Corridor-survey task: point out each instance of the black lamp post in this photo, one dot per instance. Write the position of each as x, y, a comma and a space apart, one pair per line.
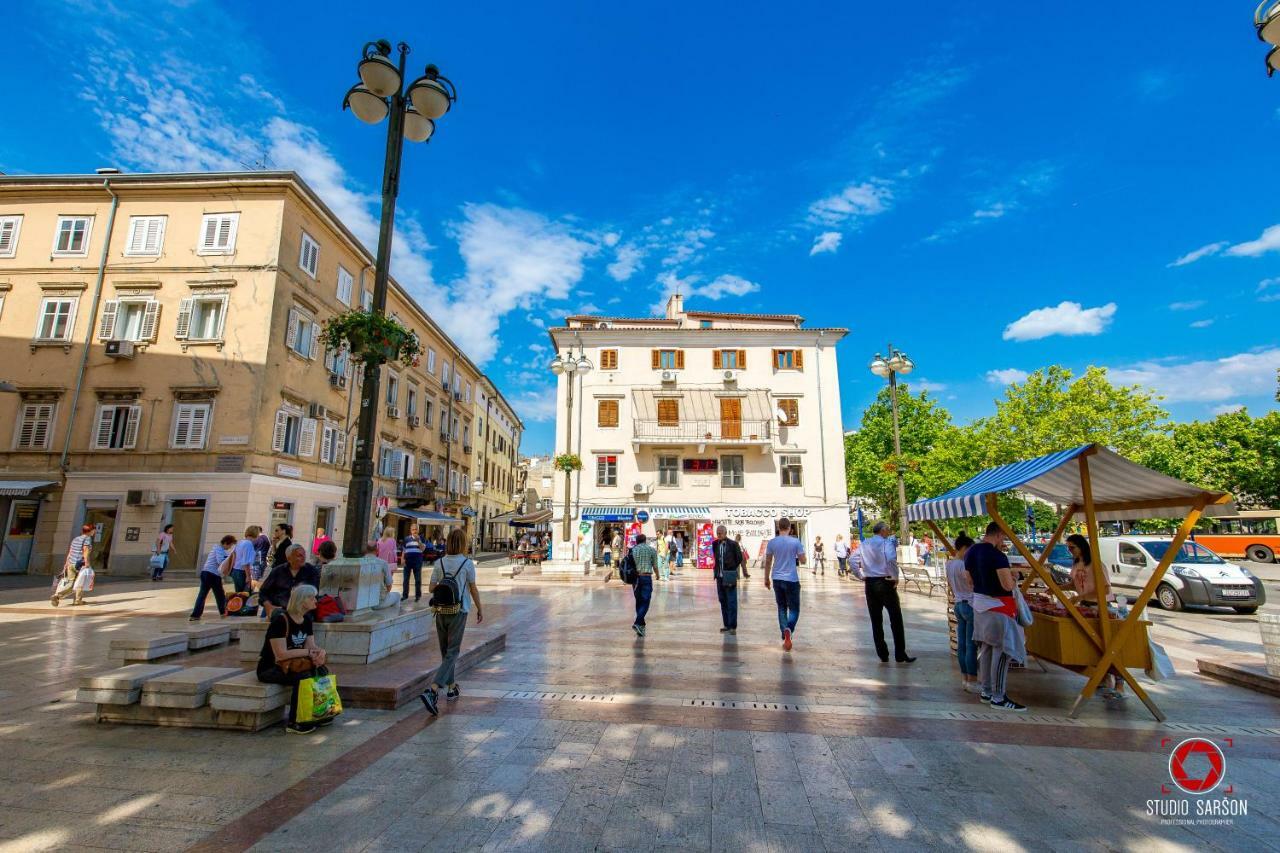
381, 94
889, 368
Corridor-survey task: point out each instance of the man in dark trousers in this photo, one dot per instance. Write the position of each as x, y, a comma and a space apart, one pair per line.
880, 571
728, 562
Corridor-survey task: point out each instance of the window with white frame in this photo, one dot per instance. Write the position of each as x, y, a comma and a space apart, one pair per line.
190, 426
411, 402
309, 255
431, 362
146, 235
34, 430
391, 462
790, 468
424, 469
332, 445
345, 284
132, 319
57, 317
466, 394
294, 433
366, 300
10, 228
668, 470
393, 389
444, 374
731, 471
337, 362
72, 236
116, 427
218, 234
202, 318
428, 407
302, 333
606, 470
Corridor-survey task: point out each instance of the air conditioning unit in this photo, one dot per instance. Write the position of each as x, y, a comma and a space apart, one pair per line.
641, 489
337, 380
318, 412
668, 376
141, 497
414, 421
393, 411
730, 376
120, 349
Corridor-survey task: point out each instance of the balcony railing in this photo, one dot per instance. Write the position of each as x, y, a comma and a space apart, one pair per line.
715, 432
416, 489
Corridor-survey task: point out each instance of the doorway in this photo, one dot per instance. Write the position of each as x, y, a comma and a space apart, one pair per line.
20, 531
325, 519
281, 513
187, 518
730, 417
102, 515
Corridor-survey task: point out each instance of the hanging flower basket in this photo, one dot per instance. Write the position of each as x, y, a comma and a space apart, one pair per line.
568, 462
372, 338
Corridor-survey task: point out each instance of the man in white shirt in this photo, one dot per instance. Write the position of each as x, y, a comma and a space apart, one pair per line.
781, 559
880, 571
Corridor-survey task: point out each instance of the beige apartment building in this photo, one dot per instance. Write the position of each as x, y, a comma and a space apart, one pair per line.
161, 335
498, 432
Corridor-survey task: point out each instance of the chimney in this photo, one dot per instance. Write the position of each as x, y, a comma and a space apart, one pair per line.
675, 307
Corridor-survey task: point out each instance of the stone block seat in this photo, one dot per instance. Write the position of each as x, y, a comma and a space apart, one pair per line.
204, 637
184, 698
120, 686
186, 688
129, 650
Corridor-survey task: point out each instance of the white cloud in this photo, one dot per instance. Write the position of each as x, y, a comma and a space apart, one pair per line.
535, 405
1009, 196
1186, 306
855, 201
611, 239
1066, 318
1201, 324
1269, 290
1227, 408
1203, 252
1007, 376
718, 288
251, 87
1242, 375
626, 262
588, 308
928, 385
1269, 241
827, 241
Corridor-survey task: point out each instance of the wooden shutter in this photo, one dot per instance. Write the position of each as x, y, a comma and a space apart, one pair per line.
181, 426
397, 464
107, 324
150, 320
799, 359
291, 330
307, 438
679, 359
326, 444
8, 234
342, 446
199, 425
717, 360
607, 413
102, 433
742, 359
281, 429
132, 419
183, 328
668, 412
209, 239
655, 358
792, 410
137, 236
34, 429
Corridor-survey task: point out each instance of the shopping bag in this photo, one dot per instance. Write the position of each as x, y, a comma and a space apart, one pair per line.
1161, 666
318, 697
157, 561
1022, 609
84, 580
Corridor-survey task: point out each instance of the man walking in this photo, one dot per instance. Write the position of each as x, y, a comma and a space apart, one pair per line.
781, 569
728, 561
880, 571
646, 560
77, 559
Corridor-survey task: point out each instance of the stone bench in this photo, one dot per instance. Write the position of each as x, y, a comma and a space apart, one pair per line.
185, 688
184, 698
245, 692
121, 686
207, 637
128, 650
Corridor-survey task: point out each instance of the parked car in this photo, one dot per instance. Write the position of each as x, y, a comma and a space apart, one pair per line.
1197, 575
1059, 561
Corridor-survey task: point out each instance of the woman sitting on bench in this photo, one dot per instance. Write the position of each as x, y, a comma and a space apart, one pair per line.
289, 652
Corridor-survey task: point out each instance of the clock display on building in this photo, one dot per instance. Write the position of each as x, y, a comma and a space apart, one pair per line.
696, 466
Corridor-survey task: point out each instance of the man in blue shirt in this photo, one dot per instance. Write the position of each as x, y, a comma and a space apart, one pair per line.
880, 571
781, 559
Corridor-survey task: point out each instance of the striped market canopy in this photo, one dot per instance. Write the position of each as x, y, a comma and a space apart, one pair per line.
608, 513
1121, 489
686, 512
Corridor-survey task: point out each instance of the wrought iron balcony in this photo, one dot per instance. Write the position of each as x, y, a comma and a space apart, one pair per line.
416, 489
731, 432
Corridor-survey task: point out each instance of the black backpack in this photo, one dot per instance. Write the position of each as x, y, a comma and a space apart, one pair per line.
628, 572
447, 596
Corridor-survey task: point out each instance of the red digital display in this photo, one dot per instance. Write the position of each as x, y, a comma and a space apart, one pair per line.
701, 465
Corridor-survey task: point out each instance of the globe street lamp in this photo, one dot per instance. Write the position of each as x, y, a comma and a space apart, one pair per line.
1267, 22
381, 94
889, 368
569, 366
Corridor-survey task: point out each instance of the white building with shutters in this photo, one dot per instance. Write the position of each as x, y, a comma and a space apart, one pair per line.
698, 418
163, 335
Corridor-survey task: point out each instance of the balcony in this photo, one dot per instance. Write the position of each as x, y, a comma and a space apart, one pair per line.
416, 489
735, 433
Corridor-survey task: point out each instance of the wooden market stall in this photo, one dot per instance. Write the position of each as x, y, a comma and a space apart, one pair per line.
1093, 484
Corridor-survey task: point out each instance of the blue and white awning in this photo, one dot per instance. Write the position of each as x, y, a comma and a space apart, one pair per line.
680, 512
608, 513
1117, 485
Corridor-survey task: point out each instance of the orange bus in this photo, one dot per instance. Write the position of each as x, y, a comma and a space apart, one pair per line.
1253, 535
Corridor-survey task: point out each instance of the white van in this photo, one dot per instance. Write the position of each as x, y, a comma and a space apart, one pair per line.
1196, 576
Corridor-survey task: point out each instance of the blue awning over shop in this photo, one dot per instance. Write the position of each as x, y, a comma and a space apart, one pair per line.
680, 512
608, 513
424, 516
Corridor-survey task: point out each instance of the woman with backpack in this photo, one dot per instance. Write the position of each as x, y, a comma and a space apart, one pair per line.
453, 594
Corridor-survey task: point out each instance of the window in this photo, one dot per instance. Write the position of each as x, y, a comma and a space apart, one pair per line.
201, 318
607, 413
668, 470
366, 300
667, 359
728, 359
218, 234
146, 235
57, 316
337, 362
35, 426
345, 284
393, 388
788, 359
1131, 556
731, 468
129, 320
332, 446
704, 324
606, 470
427, 411
790, 408
10, 227
309, 255
301, 333
390, 462
431, 362
466, 393
190, 426
790, 468
72, 237
294, 434
412, 404
117, 427
444, 375
424, 469
668, 412
608, 359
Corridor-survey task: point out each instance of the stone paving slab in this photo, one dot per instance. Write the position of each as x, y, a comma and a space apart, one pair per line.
127, 677
204, 637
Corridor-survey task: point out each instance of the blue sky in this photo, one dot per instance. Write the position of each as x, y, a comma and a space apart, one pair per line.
990, 187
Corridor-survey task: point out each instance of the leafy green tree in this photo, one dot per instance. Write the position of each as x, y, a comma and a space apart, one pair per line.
1234, 453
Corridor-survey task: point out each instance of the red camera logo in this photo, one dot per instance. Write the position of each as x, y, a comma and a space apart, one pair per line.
1196, 765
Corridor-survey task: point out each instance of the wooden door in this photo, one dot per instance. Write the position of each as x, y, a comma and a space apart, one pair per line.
730, 417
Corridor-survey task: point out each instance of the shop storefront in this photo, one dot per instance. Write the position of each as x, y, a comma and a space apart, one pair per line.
599, 524
20, 511
692, 526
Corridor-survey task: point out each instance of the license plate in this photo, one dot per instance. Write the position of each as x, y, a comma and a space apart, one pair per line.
1237, 593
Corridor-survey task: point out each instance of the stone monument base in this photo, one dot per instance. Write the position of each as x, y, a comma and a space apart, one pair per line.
566, 568
362, 639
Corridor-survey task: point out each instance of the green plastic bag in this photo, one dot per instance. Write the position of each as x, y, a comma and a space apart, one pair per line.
318, 697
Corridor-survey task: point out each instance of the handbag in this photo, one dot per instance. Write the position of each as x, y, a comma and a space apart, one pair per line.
318, 698
328, 609
84, 580
1021, 609
292, 665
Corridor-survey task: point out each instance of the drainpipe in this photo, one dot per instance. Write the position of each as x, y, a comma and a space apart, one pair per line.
822, 432
93, 322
